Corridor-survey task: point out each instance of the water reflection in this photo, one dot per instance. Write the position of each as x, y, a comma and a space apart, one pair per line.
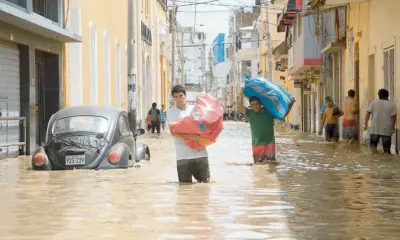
318, 191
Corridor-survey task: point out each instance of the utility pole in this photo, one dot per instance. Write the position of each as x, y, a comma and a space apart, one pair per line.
173, 24
182, 58
267, 33
210, 63
131, 68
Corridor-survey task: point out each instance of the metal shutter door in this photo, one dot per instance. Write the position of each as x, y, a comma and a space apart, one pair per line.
9, 94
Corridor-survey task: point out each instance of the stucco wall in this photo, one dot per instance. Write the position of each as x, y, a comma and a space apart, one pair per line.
358, 21
110, 18
384, 33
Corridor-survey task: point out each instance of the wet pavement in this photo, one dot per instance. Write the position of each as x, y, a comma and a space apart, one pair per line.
318, 191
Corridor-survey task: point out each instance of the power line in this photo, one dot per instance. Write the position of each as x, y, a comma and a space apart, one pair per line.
211, 44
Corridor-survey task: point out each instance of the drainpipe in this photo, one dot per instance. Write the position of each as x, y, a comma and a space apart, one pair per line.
131, 88
397, 119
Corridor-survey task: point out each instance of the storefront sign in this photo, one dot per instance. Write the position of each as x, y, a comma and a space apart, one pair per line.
307, 92
297, 84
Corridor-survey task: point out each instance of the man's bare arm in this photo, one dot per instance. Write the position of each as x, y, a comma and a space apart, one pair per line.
394, 120
182, 135
366, 120
323, 118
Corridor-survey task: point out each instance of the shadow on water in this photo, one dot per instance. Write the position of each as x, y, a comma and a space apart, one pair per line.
318, 191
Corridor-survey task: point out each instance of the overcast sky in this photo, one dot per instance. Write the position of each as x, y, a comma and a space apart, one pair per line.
213, 16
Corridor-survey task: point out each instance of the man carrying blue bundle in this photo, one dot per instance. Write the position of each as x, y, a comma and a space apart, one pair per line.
262, 131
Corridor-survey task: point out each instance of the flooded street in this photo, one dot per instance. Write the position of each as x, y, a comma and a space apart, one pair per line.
318, 191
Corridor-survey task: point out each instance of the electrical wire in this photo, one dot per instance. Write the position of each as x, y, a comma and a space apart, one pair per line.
211, 44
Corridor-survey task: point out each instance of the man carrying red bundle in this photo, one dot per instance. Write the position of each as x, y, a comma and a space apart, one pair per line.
190, 162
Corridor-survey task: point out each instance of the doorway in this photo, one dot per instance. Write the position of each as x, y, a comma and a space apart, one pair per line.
47, 91
357, 80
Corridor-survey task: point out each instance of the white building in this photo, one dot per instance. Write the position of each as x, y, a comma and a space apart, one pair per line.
219, 85
190, 57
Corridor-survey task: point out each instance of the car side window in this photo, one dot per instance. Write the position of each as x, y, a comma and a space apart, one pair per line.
123, 126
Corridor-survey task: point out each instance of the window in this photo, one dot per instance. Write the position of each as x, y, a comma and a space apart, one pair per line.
94, 124
21, 3
118, 72
388, 72
107, 68
93, 65
123, 126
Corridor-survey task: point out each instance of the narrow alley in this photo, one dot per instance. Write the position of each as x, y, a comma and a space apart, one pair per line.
317, 190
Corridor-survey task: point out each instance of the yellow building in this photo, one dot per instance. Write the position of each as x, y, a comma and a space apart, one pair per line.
359, 63
152, 55
96, 69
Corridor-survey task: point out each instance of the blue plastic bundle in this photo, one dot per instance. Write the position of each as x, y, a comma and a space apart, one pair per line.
272, 95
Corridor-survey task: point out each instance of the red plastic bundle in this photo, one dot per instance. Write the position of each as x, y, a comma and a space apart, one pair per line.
206, 120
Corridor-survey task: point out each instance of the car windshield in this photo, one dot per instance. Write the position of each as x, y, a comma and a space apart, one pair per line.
81, 123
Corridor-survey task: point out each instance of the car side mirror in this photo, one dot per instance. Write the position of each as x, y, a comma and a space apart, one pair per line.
140, 131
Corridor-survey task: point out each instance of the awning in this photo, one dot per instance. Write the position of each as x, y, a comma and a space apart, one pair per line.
281, 50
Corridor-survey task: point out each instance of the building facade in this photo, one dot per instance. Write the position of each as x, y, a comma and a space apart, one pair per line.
96, 69
32, 37
191, 58
242, 53
218, 48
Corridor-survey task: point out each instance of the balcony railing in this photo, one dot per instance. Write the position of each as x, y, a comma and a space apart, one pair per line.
46, 8
21, 3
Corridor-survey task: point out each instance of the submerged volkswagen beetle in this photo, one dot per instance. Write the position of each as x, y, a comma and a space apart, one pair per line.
89, 137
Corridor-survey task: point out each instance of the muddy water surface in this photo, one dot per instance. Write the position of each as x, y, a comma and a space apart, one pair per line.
318, 191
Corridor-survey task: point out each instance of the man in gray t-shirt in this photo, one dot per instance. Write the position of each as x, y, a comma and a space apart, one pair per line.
383, 121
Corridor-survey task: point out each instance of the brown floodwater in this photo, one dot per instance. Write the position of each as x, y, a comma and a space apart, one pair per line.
318, 191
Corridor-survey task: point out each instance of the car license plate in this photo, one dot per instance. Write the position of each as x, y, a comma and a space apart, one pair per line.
75, 160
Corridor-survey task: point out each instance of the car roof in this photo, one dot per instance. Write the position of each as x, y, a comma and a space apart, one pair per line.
106, 111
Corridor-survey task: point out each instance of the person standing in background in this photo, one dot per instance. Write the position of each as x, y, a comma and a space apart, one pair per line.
163, 116
331, 115
350, 110
383, 121
155, 118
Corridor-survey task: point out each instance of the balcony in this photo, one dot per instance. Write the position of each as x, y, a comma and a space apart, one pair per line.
304, 55
334, 40
247, 54
288, 14
42, 17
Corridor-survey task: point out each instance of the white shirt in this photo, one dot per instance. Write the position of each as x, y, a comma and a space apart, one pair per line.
182, 150
382, 112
